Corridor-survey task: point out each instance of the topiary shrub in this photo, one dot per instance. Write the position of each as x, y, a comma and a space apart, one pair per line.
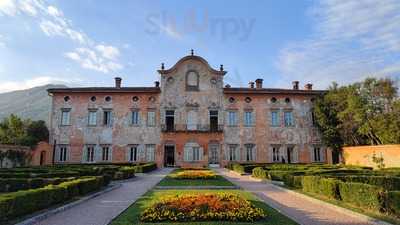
362, 195
145, 168
260, 173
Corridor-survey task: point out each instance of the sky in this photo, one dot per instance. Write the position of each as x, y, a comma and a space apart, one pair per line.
89, 42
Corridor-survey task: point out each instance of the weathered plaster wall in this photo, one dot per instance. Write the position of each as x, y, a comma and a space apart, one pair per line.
362, 155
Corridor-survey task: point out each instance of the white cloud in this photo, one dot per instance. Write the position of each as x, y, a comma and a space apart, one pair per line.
52, 22
350, 41
8, 7
108, 52
90, 59
7, 86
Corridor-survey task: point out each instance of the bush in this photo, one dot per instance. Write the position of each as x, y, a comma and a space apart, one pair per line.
393, 202
260, 173
280, 175
387, 182
293, 181
19, 203
327, 187
148, 167
125, 172
362, 195
194, 174
17, 184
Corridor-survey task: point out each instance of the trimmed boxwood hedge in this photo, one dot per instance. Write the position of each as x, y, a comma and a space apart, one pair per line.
387, 182
363, 195
393, 202
260, 173
20, 203
17, 184
144, 168
323, 186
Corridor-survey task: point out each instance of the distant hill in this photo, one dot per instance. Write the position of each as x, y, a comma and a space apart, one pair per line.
33, 103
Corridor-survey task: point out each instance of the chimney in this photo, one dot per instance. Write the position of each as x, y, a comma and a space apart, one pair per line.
157, 83
308, 87
251, 84
259, 82
295, 85
118, 82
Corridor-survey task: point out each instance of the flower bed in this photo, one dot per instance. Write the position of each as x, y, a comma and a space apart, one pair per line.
194, 174
202, 207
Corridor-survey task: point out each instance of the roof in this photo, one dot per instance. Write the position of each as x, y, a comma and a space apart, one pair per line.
241, 90
106, 89
192, 57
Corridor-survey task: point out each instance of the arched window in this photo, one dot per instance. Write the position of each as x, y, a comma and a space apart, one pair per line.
192, 81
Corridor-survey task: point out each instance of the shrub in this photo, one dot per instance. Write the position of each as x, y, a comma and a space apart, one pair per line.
293, 181
280, 175
327, 187
125, 172
260, 173
17, 184
148, 167
19, 203
387, 182
393, 202
362, 195
202, 207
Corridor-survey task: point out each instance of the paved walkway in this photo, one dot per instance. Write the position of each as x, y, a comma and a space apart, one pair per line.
299, 208
102, 209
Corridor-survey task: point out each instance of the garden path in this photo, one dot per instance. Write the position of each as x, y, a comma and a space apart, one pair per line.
295, 206
102, 209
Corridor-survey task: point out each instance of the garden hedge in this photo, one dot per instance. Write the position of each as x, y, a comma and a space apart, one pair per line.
327, 187
260, 173
363, 195
393, 202
17, 184
20, 203
144, 168
387, 182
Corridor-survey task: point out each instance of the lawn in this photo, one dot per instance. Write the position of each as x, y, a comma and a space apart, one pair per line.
131, 215
170, 181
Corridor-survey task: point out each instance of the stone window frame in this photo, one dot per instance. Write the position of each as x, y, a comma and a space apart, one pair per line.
252, 118
293, 124
133, 110
236, 122
190, 87
86, 157
278, 147
62, 148
253, 153
92, 110
154, 119
65, 110
322, 153
109, 154
111, 117
279, 122
236, 152
150, 156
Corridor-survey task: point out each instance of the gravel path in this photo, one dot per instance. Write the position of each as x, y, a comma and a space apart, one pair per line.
299, 208
102, 209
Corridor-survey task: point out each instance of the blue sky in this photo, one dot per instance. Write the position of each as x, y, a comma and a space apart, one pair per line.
89, 42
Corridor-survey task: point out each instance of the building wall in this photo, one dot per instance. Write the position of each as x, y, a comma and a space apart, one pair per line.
119, 135
42, 154
187, 103
363, 155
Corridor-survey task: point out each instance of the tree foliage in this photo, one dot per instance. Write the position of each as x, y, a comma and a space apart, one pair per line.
14, 130
362, 113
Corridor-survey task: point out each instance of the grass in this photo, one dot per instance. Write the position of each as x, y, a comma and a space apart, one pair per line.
170, 181
131, 215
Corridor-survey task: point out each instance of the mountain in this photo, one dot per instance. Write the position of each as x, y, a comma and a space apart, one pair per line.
33, 103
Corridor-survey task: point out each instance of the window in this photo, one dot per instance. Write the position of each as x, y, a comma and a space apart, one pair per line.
232, 153
135, 117
275, 154
107, 117
214, 120
151, 118
317, 154
62, 153
313, 119
133, 153
169, 120
92, 118
196, 153
106, 153
232, 118
65, 117
150, 152
275, 119
90, 153
248, 118
250, 152
191, 120
288, 115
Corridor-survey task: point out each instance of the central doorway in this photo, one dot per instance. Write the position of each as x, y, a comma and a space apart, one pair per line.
169, 155
213, 158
